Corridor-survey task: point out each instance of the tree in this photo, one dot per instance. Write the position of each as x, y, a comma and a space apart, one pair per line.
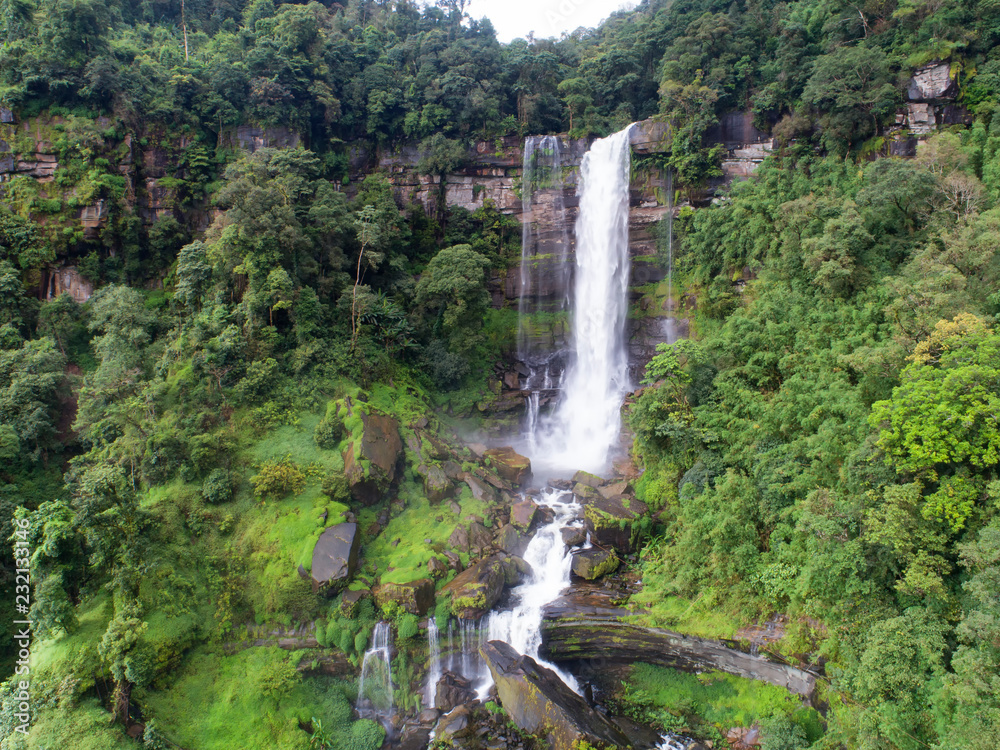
452, 290
852, 92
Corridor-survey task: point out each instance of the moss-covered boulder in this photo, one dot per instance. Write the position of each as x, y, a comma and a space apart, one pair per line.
510, 465
371, 461
437, 486
480, 489
415, 597
585, 492
612, 521
335, 557
591, 564
539, 702
573, 536
509, 540
475, 590
585, 477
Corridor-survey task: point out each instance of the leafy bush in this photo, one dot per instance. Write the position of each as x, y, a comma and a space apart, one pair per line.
407, 627
277, 479
217, 487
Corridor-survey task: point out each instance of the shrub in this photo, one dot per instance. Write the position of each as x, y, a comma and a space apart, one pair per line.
330, 430
277, 479
217, 487
407, 627
336, 488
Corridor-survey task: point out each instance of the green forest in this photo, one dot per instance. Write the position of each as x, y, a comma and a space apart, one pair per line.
824, 445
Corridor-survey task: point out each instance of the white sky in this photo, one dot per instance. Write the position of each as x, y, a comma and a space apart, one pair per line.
547, 18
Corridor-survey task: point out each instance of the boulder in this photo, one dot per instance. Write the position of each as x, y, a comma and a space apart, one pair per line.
350, 600
480, 490
370, 464
453, 724
610, 520
415, 597
512, 380
585, 492
475, 590
591, 564
510, 465
437, 567
585, 477
452, 690
614, 489
437, 486
480, 537
932, 82
335, 557
573, 536
539, 702
522, 513
459, 539
508, 540
452, 470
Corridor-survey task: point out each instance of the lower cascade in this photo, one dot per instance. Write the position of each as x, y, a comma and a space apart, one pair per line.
375, 685
434, 669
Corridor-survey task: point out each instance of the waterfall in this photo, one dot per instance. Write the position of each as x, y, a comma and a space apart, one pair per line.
375, 687
550, 563
544, 270
587, 422
670, 324
434, 670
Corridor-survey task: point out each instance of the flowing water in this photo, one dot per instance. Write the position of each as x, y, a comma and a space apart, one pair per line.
375, 686
586, 422
434, 669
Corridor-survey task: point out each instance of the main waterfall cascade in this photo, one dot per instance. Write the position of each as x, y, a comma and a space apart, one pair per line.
434, 670
375, 685
586, 422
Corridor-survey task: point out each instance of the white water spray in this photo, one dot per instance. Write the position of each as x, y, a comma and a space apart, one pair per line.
587, 420
375, 686
550, 563
434, 670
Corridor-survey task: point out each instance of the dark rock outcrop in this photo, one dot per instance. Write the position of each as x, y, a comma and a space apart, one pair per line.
371, 463
475, 590
522, 513
416, 597
539, 702
610, 519
452, 690
335, 557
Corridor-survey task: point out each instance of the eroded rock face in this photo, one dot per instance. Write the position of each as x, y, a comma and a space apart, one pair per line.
584, 624
510, 465
932, 82
477, 589
335, 557
610, 519
371, 463
541, 704
416, 597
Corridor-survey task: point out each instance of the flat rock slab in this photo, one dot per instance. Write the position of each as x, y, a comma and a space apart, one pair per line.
335, 556
539, 702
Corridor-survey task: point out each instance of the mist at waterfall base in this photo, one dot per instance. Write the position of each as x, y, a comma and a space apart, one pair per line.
585, 423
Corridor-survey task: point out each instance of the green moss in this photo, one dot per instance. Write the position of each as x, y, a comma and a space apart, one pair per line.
85, 727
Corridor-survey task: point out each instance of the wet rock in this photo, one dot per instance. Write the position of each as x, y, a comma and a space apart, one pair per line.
414, 738
454, 561
480, 490
561, 484
459, 539
415, 597
454, 724
610, 519
538, 701
370, 464
428, 716
477, 589
480, 537
508, 540
573, 536
614, 489
437, 486
585, 477
591, 564
585, 492
452, 470
453, 690
523, 513
478, 449
437, 567
512, 380
510, 465
335, 557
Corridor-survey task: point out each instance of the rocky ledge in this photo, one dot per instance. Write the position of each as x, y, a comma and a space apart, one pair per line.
584, 624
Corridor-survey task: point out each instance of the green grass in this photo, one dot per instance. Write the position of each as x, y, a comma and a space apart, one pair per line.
220, 702
720, 700
701, 617
84, 727
416, 523
74, 654
297, 441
